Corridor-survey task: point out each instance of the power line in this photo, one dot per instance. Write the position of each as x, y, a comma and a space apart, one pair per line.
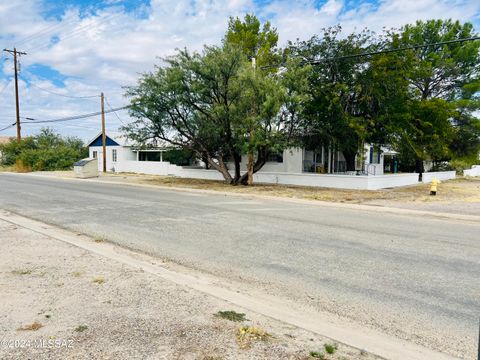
76, 117
413, 47
8, 127
74, 32
58, 94
51, 30
67, 125
111, 108
45, 31
370, 53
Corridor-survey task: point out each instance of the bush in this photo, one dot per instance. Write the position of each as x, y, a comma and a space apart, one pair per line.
462, 164
45, 151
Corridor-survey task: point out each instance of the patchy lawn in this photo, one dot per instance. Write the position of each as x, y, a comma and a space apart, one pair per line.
464, 189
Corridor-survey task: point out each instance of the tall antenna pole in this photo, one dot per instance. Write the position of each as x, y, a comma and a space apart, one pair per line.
17, 102
104, 136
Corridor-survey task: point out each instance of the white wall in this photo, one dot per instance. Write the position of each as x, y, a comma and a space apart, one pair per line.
148, 167
474, 171
338, 181
440, 175
301, 179
391, 181
288, 173
292, 162
123, 154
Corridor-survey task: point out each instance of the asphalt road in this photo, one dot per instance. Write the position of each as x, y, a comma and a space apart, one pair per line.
414, 277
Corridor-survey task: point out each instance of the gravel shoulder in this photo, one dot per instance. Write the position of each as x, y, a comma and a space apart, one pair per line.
58, 301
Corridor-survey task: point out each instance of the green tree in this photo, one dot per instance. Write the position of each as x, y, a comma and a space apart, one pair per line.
437, 78
339, 111
255, 41
217, 105
191, 103
259, 45
45, 151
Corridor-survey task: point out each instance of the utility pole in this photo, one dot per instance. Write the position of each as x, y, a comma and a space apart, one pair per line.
17, 102
478, 357
250, 158
104, 136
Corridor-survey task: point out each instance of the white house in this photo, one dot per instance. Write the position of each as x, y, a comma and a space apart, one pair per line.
120, 153
294, 160
296, 166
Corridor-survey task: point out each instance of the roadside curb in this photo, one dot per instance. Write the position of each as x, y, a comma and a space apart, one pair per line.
371, 208
285, 311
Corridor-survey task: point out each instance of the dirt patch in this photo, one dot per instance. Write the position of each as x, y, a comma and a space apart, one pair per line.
462, 189
58, 312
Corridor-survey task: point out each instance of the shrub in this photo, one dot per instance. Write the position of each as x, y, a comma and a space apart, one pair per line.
45, 151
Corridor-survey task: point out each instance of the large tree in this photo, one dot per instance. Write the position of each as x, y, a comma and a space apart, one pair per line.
255, 41
437, 78
191, 102
212, 103
259, 45
338, 113
218, 105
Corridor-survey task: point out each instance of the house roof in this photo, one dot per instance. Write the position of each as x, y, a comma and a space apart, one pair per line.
113, 139
119, 139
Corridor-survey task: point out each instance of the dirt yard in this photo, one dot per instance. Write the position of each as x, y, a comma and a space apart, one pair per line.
459, 196
58, 301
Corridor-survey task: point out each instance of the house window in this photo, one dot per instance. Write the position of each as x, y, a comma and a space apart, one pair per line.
374, 155
114, 155
275, 157
94, 154
149, 155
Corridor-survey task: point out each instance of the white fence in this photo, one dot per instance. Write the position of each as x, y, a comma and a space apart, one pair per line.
474, 171
148, 167
338, 181
440, 175
300, 179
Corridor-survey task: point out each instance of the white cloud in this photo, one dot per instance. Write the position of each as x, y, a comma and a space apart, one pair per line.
107, 49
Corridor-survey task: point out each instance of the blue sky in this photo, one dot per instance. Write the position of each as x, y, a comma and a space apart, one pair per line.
84, 47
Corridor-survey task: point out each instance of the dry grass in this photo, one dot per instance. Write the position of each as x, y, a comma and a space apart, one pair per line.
21, 167
462, 189
7, 168
81, 328
246, 335
31, 327
22, 271
98, 280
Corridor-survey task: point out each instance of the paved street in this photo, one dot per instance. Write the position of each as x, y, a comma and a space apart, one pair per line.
413, 277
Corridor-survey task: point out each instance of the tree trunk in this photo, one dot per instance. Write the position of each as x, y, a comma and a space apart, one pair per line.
205, 161
237, 158
419, 168
350, 159
221, 167
262, 156
250, 169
